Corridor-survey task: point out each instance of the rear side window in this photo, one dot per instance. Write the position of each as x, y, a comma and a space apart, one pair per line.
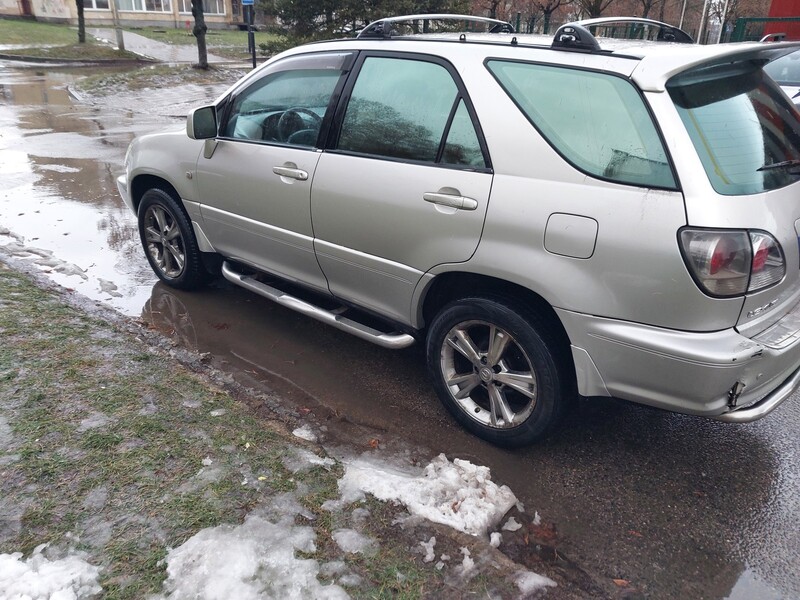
597, 121
409, 110
745, 131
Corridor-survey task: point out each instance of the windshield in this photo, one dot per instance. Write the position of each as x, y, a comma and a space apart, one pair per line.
786, 69
745, 131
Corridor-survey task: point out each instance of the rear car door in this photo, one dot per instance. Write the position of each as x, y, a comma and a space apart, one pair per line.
255, 189
404, 183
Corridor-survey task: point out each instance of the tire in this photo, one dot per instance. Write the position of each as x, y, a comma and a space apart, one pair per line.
511, 392
169, 242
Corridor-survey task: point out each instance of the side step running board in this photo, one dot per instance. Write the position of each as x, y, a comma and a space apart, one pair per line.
387, 340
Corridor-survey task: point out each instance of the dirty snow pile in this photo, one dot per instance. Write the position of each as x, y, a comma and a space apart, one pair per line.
38, 578
458, 494
253, 560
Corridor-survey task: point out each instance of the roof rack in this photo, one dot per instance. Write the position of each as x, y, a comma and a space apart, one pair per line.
664, 32
391, 26
572, 36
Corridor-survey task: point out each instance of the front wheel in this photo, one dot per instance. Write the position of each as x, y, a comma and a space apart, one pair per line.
169, 242
499, 373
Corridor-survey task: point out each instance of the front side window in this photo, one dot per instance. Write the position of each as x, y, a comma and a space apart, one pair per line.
597, 121
286, 106
410, 110
743, 127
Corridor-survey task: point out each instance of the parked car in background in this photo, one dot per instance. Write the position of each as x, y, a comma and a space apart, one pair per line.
786, 71
549, 216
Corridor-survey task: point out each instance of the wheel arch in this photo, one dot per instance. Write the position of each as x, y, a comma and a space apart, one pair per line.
145, 181
451, 286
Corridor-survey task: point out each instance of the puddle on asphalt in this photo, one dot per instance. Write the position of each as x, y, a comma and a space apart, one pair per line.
59, 159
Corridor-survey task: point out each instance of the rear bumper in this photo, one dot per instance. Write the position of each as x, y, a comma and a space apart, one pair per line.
687, 372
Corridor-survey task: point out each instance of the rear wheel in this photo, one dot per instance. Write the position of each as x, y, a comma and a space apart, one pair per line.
169, 242
499, 373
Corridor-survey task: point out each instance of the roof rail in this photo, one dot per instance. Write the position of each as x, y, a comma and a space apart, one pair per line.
773, 37
572, 36
664, 31
389, 27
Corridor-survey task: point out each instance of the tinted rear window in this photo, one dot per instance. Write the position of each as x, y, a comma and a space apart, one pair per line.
745, 131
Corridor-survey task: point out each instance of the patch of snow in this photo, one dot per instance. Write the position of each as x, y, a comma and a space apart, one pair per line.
109, 287
430, 554
528, 582
360, 515
305, 433
218, 412
458, 494
350, 580
467, 564
207, 462
445, 557
352, 542
300, 459
537, 519
334, 567
511, 525
38, 578
250, 561
495, 539
439, 566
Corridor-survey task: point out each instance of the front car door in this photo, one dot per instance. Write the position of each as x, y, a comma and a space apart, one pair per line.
255, 189
404, 183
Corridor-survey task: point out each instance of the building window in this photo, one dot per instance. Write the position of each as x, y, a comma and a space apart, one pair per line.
142, 5
95, 4
210, 7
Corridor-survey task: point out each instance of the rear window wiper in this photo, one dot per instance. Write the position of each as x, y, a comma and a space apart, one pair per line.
784, 164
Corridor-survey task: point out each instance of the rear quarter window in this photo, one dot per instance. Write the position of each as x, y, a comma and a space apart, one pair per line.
597, 121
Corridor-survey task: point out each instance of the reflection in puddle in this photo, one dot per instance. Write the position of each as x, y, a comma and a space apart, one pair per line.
59, 206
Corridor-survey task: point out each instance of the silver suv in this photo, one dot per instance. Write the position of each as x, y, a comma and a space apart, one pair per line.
549, 216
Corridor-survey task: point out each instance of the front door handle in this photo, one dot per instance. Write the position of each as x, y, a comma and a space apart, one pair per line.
451, 200
291, 173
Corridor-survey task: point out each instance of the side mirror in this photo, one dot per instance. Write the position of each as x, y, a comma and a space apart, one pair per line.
201, 124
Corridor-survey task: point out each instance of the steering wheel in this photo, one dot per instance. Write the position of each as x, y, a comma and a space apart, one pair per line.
294, 119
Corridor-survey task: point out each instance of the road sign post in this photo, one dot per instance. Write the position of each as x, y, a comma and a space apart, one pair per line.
251, 36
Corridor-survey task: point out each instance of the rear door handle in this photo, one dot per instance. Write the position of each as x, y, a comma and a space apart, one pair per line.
291, 173
451, 200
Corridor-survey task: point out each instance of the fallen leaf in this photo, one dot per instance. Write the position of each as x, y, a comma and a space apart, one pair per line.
621, 582
304, 410
636, 533
373, 443
544, 532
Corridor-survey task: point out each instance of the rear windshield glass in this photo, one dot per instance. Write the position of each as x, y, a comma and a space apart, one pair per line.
744, 129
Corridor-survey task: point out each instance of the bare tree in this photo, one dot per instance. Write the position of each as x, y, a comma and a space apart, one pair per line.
199, 31
548, 7
594, 8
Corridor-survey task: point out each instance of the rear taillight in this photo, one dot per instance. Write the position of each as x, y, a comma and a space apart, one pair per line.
732, 263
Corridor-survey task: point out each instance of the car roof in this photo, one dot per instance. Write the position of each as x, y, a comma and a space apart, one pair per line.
649, 63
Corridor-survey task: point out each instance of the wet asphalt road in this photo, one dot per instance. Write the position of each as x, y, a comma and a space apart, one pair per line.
680, 507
